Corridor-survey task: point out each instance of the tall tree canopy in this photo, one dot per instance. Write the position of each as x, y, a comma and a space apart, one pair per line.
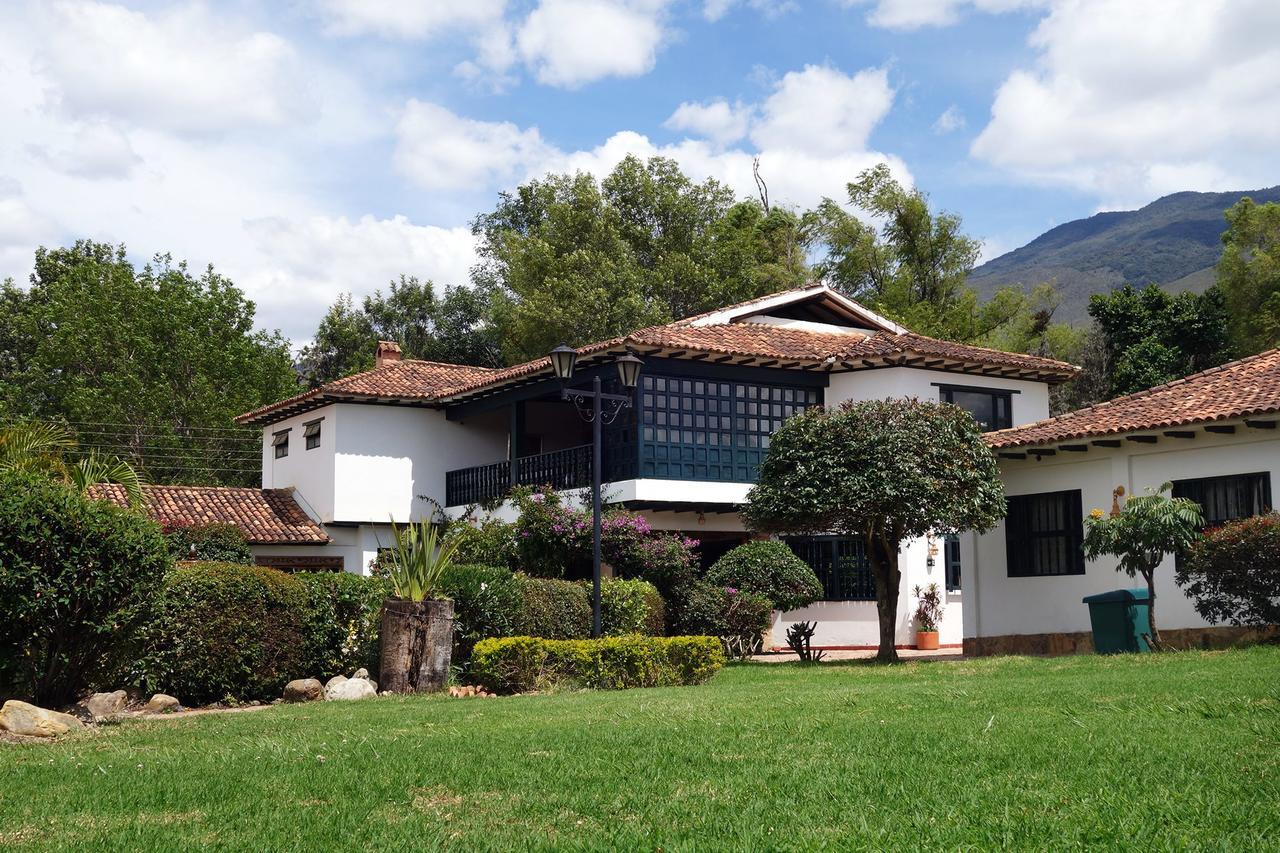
884, 471
1148, 337
1249, 274
913, 267
453, 328
569, 259
149, 364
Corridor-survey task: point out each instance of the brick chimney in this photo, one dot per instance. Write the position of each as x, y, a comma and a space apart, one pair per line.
386, 353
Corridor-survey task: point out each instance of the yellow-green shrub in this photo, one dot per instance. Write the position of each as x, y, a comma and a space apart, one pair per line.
521, 664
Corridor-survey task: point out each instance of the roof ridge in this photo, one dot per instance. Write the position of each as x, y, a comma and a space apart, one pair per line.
984, 348
746, 302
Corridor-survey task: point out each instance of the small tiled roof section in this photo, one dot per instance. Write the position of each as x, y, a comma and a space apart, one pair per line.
1239, 389
401, 380
266, 516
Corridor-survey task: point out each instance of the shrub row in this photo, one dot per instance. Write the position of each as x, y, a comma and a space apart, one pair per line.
521, 664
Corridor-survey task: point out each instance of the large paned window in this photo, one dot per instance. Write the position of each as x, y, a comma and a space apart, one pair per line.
1228, 498
841, 564
1043, 534
992, 408
703, 429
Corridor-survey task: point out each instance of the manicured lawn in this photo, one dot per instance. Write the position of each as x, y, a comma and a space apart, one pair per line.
1158, 751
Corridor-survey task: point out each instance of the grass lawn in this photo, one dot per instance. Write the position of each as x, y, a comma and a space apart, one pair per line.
1155, 751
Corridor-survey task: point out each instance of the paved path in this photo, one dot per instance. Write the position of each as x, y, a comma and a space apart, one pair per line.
864, 654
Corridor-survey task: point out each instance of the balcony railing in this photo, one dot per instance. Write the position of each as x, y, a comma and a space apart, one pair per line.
561, 469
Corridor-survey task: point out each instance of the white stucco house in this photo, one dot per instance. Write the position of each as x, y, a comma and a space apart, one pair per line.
1213, 435
409, 439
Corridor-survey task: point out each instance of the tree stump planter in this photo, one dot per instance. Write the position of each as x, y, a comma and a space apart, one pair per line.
417, 645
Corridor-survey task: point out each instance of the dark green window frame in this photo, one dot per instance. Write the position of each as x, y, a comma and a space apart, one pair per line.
1043, 535
1000, 401
841, 564
705, 428
1228, 498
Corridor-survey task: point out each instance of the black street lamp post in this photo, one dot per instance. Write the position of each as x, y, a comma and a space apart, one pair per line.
591, 406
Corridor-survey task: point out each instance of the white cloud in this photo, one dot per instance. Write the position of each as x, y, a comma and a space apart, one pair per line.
714, 10
1131, 99
572, 42
313, 258
94, 150
952, 119
908, 15
811, 135
183, 69
440, 150
821, 110
408, 19
718, 120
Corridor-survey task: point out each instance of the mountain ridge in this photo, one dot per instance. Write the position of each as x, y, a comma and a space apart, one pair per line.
1175, 241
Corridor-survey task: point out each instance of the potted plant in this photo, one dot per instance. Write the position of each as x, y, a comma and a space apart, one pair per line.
417, 624
928, 616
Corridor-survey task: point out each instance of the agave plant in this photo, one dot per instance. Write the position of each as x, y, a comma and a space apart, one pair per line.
418, 560
43, 448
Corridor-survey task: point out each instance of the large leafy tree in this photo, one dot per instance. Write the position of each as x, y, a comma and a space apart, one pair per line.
908, 262
450, 327
1249, 274
1149, 337
568, 258
148, 364
1149, 528
885, 471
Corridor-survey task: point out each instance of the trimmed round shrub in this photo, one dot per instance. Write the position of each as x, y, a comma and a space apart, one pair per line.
1233, 573
225, 631
487, 601
341, 622
770, 568
630, 607
212, 543
736, 617
553, 609
521, 664
76, 577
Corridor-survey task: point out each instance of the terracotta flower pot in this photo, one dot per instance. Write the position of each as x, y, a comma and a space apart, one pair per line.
927, 640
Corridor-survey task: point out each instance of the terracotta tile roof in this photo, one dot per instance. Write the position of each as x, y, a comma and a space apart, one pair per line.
1250, 386
402, 380
267, 516
432, 382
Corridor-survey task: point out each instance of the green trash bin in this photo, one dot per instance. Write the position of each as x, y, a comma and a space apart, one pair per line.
1121, 620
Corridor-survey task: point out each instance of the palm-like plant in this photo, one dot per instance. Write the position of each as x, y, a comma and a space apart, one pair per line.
43, 448
1149, 528
418, 560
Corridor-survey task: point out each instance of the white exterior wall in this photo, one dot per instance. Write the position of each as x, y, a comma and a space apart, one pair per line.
357, 546
998, 605
391, 459
1030, 401
310, 473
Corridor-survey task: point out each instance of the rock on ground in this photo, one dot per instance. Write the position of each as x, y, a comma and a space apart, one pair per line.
106, 706
303, 690
162, 703
350, 688
361, 673
21, 718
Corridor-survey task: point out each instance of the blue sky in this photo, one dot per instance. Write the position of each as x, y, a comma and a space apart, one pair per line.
313, 147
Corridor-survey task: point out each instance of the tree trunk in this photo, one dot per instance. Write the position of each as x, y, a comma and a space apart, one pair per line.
1150, 578
417, 645
884, 565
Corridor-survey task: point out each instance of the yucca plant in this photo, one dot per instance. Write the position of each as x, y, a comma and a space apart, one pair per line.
418, 560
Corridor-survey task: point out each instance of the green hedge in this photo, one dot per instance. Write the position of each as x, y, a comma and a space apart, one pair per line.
630, 607
76, 579
521, 664
553, 609
341, 623
227, 631
210, 543
486, 603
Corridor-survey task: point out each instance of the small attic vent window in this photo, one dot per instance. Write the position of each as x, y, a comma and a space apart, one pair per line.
281, 443
311, 432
